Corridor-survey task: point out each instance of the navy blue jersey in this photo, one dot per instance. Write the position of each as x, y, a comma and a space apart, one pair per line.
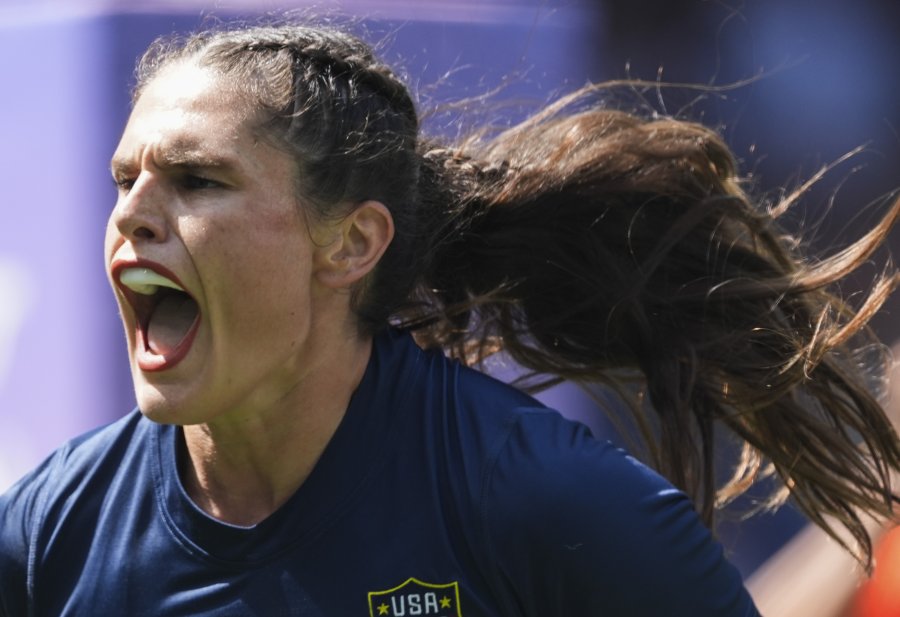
442, 493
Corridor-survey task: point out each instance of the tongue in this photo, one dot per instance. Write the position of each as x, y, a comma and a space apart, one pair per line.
170, 323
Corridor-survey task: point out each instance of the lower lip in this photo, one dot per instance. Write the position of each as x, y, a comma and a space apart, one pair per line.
150, 362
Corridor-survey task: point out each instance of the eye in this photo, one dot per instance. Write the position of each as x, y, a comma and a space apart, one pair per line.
196, 182
123, 183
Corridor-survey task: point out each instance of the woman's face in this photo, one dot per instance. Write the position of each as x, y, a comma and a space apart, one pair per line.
209, 254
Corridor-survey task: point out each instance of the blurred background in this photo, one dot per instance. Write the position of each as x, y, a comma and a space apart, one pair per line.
821, 79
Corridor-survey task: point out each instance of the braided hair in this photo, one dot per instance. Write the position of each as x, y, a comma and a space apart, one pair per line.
592, 245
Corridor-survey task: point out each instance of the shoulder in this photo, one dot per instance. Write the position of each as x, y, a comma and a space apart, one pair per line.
61, 480
437, 373
576, 522
91, 453
472, 394
555, 457
546, 462
74, 462
455, 405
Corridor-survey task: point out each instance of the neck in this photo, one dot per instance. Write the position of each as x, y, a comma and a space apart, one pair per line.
242, 468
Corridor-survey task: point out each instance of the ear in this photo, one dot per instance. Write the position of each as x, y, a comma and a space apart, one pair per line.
359, 241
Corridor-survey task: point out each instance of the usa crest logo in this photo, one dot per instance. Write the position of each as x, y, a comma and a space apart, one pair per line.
415, 598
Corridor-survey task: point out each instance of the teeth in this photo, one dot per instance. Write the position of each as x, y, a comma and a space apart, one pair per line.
145, 281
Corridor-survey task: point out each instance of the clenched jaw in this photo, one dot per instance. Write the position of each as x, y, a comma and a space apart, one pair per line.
166, 316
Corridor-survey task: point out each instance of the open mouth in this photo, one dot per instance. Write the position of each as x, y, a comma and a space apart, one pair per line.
166, 316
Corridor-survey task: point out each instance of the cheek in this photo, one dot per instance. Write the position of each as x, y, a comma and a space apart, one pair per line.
110, 238
111, 242
254, 268
272, 242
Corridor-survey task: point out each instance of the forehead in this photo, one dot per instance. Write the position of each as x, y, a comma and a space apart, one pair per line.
187, 110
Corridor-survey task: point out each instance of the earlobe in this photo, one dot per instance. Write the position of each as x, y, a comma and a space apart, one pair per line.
361, 239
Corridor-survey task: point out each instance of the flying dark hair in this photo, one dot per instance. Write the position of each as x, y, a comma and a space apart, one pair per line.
596, 246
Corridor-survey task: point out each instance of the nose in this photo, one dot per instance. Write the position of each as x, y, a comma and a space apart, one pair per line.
139, 214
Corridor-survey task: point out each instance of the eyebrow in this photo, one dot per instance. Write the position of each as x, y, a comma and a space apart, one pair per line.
182, 156
192, 159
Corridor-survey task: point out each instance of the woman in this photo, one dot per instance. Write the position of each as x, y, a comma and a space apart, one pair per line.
297, 453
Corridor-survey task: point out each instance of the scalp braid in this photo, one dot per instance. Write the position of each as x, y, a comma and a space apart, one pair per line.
594, 246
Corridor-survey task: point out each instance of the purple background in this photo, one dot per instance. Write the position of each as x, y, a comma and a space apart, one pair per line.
831, 72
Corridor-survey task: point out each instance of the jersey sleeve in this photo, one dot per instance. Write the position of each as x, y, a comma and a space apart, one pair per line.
20, 509
575, 526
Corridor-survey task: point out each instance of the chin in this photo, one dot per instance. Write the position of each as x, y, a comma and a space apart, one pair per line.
156, 406
161, 414
161, 398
